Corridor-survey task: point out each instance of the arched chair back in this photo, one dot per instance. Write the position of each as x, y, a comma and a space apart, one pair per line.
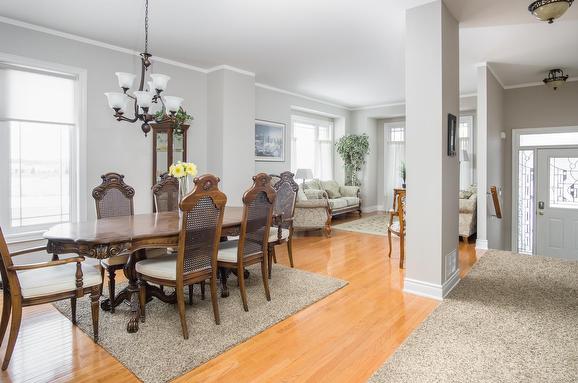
166, 194
113, 197
286, 189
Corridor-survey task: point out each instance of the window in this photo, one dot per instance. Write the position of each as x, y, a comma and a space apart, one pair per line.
37, 130
312, 146
549, 139
466, 151
394, 155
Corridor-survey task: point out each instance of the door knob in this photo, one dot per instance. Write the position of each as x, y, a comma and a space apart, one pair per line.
541, 205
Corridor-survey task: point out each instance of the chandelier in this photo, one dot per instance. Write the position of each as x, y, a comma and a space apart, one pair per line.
556, 79
549, 10
142, 100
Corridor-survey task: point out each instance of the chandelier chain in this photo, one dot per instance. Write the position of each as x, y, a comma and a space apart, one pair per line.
146, 26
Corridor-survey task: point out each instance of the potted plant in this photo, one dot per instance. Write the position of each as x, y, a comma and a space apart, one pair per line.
181, 117
353, 148
402, 173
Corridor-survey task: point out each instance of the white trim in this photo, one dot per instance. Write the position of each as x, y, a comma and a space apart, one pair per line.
431, 290
231, 68
370, 209
400, 103
279, 90
489, 67
482, 244
315, 112
532, 84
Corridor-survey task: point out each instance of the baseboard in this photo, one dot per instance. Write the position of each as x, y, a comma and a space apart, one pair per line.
482, 244
369, 209
431, 290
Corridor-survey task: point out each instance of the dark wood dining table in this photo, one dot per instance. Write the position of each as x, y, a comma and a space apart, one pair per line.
110, 237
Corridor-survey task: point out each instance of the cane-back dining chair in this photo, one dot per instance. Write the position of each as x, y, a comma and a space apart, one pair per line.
43, 282
282, 227
397, 226
166, 194
251, 248
196, 258
113, 198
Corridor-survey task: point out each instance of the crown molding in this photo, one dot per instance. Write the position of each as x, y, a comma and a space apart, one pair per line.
537, 83
369, 107
231, 68
489, 67
279, 90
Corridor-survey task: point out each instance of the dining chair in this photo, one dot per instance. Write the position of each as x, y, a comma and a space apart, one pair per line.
281, 230
43, 282
196, 258
113, 198
397, 227
251, 248
166, 194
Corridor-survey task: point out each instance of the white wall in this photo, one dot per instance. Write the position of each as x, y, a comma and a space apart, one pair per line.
114, 146
275, 106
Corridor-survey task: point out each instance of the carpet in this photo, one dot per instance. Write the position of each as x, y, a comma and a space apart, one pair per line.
514, 318
376, 224
158, 352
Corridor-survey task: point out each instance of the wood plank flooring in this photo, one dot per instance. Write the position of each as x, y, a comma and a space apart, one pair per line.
342, 338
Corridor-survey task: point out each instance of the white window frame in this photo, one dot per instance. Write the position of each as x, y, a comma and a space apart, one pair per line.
78, 179
516, 133
473, 143
298, 118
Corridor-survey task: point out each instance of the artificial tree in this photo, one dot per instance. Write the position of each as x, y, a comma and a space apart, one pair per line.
353, 148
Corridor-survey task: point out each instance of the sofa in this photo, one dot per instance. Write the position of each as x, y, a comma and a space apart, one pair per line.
341, 199
468, 214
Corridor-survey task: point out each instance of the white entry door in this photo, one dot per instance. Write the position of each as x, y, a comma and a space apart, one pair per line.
557, 203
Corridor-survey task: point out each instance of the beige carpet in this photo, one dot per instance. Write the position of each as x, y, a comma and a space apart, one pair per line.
376, 224
514, 318
158, 352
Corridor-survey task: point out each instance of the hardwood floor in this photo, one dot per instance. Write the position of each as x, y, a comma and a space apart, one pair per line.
342, 338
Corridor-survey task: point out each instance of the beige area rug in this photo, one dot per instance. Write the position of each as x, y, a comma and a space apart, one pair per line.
376, 224
514, 318
158, 352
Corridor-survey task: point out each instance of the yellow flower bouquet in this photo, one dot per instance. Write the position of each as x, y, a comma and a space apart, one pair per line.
184, 172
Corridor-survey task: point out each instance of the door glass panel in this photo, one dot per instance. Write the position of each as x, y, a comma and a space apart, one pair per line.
564, 182
526, 201
178, 148
162, 155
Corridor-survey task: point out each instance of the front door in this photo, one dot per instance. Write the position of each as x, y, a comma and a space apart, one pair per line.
557, 203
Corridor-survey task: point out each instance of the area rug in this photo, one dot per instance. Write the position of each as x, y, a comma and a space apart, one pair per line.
158, 352
376, 224
514, 318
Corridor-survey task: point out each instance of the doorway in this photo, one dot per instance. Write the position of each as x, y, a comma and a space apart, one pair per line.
545, 192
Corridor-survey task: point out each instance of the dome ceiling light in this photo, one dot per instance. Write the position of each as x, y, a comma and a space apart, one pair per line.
549, 10
556, 79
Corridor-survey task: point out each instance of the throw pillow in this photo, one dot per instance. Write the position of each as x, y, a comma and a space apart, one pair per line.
301, 196
313, 184
332, 189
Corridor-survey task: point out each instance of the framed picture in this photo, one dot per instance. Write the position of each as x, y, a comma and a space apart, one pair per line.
452, 133
269, 141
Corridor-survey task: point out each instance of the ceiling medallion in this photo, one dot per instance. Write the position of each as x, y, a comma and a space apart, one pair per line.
549, 10
143, 99
555, 79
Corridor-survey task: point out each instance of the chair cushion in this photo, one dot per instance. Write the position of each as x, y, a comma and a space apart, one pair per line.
228, 251
351, 201
115, 261
55, 279
332, 188
160, 267
337, 203
274, 234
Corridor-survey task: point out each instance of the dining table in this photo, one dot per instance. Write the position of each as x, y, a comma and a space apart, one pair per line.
132, 235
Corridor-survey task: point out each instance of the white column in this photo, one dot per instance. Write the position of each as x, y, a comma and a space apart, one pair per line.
231, 131
432, 92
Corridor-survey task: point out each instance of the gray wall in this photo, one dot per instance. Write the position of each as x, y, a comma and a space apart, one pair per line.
114, 146
279, 107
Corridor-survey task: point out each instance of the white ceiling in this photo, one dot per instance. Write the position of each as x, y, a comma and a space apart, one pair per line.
347, 52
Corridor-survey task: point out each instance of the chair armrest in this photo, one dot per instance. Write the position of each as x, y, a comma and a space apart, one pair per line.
313, 194
312, 204
26, 251
349, 191
40, 265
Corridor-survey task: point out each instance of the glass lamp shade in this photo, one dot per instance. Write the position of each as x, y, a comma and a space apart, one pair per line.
172, 103
556, 84
160, 81
116, 100
549, 10
144, 99
125, 80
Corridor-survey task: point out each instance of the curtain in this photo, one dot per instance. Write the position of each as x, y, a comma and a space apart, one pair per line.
394, 156
312, 147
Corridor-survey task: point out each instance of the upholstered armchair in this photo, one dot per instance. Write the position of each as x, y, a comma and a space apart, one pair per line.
314, 214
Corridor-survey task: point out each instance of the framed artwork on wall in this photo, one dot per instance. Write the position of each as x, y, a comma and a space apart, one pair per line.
452, 133
269, 141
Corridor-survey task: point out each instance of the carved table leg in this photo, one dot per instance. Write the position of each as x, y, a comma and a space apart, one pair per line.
224, 273
133, 290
